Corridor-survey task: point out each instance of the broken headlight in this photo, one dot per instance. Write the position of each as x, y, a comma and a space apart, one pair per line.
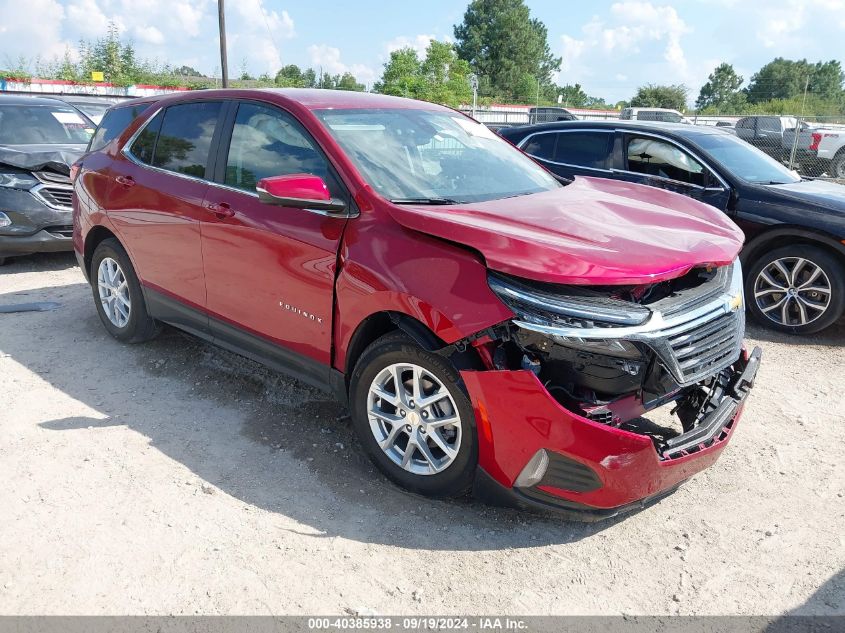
572, 307
18, 180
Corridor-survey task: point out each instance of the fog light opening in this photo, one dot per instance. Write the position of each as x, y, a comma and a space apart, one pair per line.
4, 220
534, 470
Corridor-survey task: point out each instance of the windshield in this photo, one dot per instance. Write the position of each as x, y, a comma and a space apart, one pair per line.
37, 124
435, 157
745, 161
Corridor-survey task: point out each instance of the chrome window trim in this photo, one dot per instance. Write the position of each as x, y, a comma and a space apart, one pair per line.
660, 137
524, 142
135, 160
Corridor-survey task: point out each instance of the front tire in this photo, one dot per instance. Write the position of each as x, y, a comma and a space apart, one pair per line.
414, 418
798, 289
118, 296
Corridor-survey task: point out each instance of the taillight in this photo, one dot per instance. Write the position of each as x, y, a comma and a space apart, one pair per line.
817, 138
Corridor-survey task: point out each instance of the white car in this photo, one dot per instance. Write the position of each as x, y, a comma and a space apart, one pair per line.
665, 115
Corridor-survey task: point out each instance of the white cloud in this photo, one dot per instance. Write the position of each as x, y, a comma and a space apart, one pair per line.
149, 34
631, 32
328, 59
418, 42
20, 34
86, 18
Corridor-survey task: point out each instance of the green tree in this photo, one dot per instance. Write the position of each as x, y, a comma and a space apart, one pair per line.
289, 76
779, 79
348, 82
445, 78
721, 90
573, 96
656, 96
826, 80
503, 43
187, 71
402, 74
110, 56
441, 77
245, 76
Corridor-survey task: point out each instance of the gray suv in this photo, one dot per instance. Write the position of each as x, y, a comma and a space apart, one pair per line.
39, 140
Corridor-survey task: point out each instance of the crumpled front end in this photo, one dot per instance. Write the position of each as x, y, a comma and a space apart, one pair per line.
599, 399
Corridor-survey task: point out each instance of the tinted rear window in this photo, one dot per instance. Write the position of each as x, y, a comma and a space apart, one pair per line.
541, 146
586, 149
185, 138
114, 122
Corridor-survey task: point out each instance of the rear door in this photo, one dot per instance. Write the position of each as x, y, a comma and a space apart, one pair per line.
571, 153
665, 164
769, 136
270, 270
156, 201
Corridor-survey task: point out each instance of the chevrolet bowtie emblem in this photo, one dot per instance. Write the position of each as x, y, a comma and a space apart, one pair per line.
735, 303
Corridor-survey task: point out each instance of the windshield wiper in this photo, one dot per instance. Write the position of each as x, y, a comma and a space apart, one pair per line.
423, 201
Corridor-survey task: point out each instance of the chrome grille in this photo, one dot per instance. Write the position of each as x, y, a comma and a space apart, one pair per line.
696, 350
56, 190
58, 197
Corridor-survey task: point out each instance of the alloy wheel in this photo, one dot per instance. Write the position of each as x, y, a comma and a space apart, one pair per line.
114, 292
414, 419
792, 291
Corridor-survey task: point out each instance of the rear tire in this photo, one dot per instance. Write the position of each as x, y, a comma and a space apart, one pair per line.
798, 289
443, 457
837, 166
118, 296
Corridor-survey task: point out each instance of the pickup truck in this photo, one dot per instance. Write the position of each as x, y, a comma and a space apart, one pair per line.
827, 145
819, 150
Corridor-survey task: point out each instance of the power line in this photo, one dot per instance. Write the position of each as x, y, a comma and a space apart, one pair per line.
269, 32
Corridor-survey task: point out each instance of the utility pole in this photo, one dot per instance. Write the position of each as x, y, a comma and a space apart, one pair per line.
798, 126
221, 18
473, 82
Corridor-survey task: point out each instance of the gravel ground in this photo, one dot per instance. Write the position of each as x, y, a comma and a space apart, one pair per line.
176, 478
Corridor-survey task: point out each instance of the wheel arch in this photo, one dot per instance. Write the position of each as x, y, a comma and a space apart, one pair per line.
94, 238
786, 235
384, 322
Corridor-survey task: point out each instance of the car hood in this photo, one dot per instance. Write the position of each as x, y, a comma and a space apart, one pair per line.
593, 231
37, 157
818, 193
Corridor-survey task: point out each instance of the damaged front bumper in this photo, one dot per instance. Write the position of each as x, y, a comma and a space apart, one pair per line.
590, 470
572, 410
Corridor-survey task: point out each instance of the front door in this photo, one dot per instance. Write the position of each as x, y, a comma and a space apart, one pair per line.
270, 270
659, 163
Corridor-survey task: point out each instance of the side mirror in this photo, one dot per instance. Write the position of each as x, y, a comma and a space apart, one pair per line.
300, 191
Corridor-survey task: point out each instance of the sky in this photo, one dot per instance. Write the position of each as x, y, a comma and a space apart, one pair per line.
610, 48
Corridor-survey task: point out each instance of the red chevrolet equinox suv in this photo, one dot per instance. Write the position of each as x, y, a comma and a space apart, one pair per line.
491, 327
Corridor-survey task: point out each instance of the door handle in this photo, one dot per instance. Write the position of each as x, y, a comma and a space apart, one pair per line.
220, 209
126, 181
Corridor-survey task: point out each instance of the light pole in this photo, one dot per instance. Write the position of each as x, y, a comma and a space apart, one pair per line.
473, 82
224, 66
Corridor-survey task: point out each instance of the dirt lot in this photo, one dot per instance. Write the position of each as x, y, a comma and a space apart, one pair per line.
177, 478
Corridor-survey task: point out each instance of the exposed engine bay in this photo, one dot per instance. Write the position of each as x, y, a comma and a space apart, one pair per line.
614, 353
